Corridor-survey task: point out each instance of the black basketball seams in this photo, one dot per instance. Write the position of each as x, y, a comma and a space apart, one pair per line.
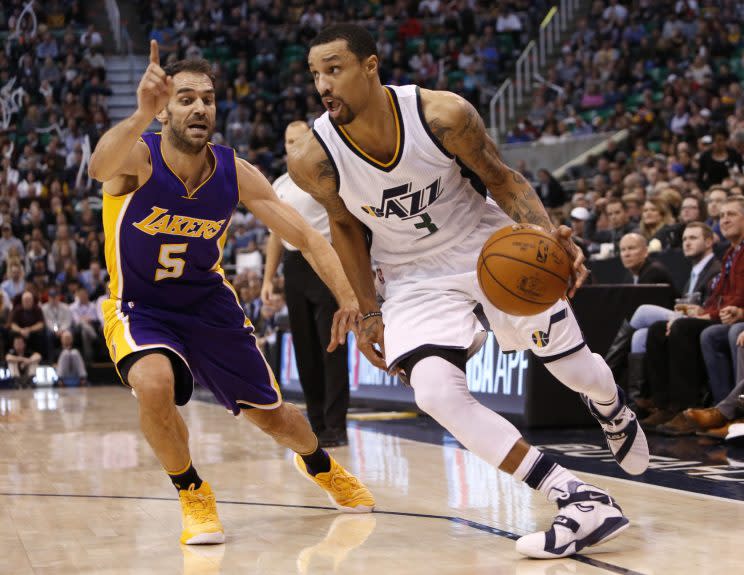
511, 292
525, 263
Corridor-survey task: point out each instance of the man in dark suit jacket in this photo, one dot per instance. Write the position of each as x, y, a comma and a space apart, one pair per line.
634, 255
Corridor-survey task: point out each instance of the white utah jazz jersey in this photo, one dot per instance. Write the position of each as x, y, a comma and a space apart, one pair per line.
421, 202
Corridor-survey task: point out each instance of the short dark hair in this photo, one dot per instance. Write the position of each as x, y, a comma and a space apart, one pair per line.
707, 231
360, 41
617, 201
196, 65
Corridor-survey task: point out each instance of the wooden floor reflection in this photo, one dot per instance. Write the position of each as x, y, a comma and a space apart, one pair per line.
80, 492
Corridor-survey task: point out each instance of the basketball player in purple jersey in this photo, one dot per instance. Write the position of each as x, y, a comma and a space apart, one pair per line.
173, 318
414, 167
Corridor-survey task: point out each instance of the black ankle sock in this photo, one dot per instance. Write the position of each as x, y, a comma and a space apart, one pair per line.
185, 479
317, 462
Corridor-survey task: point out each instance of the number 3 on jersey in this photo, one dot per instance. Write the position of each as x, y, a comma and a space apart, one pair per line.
172, 267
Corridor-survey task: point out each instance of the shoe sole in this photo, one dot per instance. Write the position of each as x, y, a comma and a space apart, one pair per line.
606, 532
214, 538
357, 509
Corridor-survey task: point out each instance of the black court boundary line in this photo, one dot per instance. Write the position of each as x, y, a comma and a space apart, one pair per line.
459, 520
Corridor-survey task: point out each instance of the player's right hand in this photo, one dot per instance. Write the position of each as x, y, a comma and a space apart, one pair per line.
371, 331
155, 87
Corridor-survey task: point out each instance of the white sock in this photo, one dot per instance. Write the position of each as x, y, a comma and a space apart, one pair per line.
587, 373
540, 472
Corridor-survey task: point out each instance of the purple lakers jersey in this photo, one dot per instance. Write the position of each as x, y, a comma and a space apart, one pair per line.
163, 244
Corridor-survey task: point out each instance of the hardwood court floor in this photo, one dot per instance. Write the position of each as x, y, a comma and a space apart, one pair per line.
80, 492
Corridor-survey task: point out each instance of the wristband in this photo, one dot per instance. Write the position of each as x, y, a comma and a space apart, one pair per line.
371, 314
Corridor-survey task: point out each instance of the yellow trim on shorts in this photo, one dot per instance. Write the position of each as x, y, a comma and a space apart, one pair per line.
119, 340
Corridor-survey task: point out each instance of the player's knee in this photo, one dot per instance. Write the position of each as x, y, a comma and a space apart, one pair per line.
274, 422
153, 382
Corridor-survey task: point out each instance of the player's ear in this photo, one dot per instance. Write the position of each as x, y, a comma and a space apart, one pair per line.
162, 116
372, 66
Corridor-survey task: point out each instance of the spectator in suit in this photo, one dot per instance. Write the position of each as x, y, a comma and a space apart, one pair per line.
640, 270
674, 362
629, 345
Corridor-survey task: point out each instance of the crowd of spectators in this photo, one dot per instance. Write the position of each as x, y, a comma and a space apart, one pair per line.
53, 87
657, 68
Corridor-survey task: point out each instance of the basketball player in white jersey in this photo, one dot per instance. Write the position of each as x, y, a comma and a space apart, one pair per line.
414, 167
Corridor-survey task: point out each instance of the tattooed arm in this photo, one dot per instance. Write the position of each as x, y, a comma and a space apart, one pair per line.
312, 170
459, 128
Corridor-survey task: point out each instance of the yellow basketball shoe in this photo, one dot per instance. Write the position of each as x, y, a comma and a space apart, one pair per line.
201, 525
345, 491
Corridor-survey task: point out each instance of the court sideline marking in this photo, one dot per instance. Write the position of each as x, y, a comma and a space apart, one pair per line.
459, 520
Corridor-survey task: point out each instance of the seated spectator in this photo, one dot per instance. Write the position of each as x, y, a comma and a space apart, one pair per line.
549, 189
579, 215
22, 363
715, 421
674, 362
620, 225
692, 210
7, 239
715, 199
94, 280
86, 323
719, 162
658, 227
57, 317
718, 344
629, 345
640, 270
27, 320
70, 365
14, 285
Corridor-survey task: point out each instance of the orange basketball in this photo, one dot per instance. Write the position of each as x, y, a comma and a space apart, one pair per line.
523, 271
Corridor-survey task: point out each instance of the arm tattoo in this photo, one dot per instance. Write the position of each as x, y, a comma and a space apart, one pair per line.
326, 171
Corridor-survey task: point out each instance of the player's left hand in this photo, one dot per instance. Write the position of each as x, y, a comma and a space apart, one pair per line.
579, 273
346, 319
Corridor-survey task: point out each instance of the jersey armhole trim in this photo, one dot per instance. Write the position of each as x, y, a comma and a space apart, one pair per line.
138, 188
425, 124
237, 178
330, 159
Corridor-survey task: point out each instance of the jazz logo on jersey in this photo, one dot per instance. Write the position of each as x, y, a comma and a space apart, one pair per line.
161, 222
405, 203
542, 338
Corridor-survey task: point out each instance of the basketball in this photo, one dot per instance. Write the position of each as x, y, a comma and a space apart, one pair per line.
523, 271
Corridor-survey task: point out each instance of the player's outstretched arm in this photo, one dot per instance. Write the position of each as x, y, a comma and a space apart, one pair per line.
310, 168
119, 153
459, 128
259, 197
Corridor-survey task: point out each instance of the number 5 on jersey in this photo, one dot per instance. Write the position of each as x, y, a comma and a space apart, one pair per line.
172, 267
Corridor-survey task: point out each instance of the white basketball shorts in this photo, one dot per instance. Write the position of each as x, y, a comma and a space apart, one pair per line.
430, 302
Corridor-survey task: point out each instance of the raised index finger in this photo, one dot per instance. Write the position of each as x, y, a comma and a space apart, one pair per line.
154, 53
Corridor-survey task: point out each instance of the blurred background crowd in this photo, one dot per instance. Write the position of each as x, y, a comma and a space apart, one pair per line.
669, 72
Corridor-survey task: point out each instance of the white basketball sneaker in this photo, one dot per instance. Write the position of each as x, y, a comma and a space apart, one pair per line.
588, 516
625, 438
